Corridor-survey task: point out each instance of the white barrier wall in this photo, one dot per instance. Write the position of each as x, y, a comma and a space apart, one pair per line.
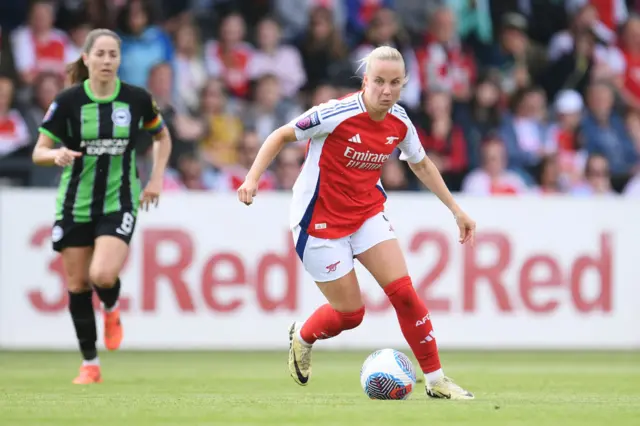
207, 272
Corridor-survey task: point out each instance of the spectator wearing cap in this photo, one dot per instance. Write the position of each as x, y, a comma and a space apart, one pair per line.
563, 138
519, 60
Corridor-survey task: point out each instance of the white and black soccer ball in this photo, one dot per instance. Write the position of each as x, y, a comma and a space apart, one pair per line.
387, 374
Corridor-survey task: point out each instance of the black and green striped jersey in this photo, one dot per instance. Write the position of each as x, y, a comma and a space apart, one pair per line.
105, 179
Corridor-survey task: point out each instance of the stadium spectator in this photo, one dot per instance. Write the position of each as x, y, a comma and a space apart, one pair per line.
269, 110
360, 13
295, 15
442, 139
605, 133
45, 88
191, 74
38, 46
272, 57
519, 60
481, 115
322, 48
14, 133
548, 179
442, 59
287, 167
524, 129
394, 176
233, 176
144, 44
222, 129
597, 177
228, 58
213, 86
493, 178
631, 48
564, 140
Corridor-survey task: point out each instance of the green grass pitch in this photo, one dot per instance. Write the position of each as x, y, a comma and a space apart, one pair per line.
254, 388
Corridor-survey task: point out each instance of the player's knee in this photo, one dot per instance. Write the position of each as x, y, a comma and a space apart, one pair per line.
78, 285
402, 294
351, 320
103, 277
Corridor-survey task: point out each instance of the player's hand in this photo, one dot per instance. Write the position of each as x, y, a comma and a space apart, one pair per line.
247, 191
64, 157
467, 228
151, 194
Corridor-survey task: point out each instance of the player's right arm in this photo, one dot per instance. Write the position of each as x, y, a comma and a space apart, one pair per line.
306, 126
51, 130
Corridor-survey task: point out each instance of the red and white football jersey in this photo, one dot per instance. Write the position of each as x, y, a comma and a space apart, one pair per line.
339, 185
50, 54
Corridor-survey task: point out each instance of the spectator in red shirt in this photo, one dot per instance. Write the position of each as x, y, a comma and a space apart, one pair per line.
630, 44
442, 139
229, 58
38, 46
14, 133
442, 60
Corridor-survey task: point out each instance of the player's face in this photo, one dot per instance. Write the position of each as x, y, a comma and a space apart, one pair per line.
383, 83
103, 59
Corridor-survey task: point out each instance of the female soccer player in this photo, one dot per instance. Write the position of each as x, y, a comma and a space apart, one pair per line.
338, 214
96, 124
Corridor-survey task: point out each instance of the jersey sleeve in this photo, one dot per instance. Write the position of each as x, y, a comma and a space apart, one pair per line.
310, 124
411, 149
54, 122
152, 120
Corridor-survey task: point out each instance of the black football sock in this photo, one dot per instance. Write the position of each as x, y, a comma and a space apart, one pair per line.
84, 321
109, 295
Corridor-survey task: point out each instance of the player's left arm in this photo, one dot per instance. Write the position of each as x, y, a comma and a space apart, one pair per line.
154, 124
424, 169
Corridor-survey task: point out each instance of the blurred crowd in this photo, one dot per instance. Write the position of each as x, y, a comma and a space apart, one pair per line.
508, 96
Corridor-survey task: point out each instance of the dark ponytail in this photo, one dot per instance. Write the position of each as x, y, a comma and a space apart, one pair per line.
77, 71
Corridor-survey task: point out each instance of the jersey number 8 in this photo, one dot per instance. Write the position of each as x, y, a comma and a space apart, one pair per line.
127, 224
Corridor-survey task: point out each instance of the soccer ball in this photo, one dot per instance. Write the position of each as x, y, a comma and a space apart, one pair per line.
387, 374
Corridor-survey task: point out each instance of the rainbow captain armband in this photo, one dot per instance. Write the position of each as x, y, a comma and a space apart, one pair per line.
154, 126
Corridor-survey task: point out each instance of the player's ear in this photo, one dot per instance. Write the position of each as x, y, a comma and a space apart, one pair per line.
85, 59
365, 80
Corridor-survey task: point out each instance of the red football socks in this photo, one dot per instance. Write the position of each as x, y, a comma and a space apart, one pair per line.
326, 322
415, 323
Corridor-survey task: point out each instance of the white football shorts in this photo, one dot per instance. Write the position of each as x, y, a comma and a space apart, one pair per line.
327, 260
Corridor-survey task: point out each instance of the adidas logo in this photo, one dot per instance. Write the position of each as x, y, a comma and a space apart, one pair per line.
355, 139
